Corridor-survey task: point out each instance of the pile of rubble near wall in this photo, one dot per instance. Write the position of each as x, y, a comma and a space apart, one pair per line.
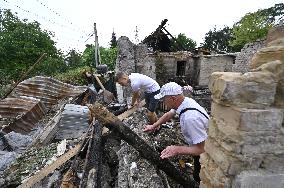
246, 132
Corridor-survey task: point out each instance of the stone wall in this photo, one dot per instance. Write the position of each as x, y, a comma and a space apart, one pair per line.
197, 69
214, 63
143, 61
244, 57
162, 66
245, 147
132, 59
166, 64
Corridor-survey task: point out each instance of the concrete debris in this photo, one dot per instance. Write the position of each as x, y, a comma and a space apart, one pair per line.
18, 141
6, 158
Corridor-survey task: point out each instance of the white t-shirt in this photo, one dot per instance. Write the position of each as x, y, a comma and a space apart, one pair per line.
140, 81
194, 125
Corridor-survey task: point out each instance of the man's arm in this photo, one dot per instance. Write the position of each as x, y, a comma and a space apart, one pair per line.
166, 117
171, 151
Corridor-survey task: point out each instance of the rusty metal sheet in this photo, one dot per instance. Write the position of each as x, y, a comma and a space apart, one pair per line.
23, 113
47, 89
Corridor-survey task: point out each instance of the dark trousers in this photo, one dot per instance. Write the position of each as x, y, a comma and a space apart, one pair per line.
197, 168
151, 102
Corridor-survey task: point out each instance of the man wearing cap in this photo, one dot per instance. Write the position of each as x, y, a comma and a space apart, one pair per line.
137, 82
193, 121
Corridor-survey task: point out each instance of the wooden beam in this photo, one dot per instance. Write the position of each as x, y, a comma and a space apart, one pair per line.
130, 111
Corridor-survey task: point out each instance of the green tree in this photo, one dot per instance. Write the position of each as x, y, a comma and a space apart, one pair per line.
275, 13
218, 40
255, 25
73, 59
22, 43
88, 56
113, 42
108, 56
182, 43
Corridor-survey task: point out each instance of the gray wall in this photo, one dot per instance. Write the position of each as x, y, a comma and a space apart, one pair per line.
246, 54
163, 66
214, 63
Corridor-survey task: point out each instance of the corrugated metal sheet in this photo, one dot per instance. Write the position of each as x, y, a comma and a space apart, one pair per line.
47, 89
73, 122
29, 101
24, 113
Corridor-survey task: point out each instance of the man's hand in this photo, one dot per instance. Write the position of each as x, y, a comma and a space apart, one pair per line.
137, 103
149, 128
129, 106
133, 105
170, 151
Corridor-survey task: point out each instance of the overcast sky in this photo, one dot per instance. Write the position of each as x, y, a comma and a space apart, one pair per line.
72, 20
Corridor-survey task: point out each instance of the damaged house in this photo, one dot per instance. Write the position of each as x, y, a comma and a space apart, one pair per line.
52, 136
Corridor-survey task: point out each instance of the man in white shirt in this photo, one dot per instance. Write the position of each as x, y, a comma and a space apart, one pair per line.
193, 121
141, 82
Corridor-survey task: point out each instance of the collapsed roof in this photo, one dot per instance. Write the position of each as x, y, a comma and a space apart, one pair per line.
159, 40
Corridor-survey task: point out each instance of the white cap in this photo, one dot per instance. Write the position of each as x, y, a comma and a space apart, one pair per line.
170, 88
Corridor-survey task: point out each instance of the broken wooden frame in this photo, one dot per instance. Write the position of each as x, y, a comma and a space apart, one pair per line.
145, 150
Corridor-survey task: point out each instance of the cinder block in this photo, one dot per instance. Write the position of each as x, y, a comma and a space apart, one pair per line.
273, 163
249, 144
252, 89
244, 119
259, 179
264, 147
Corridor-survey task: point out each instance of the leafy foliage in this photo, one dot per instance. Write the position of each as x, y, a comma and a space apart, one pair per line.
183, 43
218, 40
108, 56
252, 26
275, 13
255, 25
22, 43
73, 59
88, 56
73, 76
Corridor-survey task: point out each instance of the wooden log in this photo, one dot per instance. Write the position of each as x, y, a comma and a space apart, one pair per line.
145, 150
93, 159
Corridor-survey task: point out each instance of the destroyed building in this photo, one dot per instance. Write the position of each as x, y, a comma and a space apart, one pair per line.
50, 138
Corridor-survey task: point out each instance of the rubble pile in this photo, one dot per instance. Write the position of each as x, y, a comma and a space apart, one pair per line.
135, 171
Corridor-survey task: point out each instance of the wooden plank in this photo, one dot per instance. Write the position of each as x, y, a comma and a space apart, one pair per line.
130, 111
